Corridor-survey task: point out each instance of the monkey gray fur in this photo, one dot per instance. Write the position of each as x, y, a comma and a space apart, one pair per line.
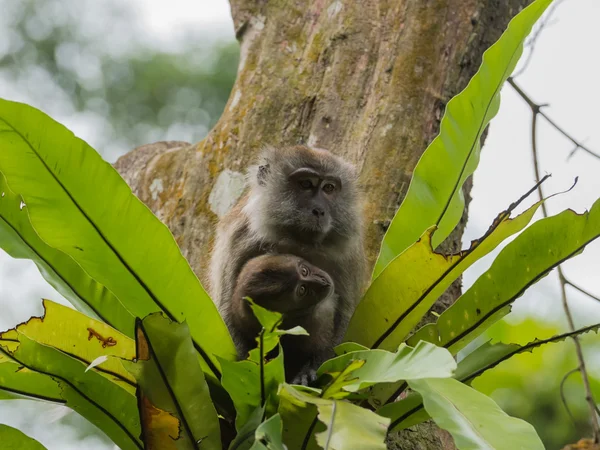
303, 294
301, 201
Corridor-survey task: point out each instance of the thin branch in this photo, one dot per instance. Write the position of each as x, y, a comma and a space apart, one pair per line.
544, 23
583, 291
535, 111
579, 145
562, 394
261, 346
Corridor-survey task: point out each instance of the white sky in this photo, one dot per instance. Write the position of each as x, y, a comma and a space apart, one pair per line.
162, 17
564, 72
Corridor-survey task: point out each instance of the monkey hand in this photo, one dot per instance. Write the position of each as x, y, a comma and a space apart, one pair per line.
306, 376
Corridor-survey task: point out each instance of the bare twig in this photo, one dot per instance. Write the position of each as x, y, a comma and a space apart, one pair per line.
580, 289
535, 111
579, 145
562, 394
544, 23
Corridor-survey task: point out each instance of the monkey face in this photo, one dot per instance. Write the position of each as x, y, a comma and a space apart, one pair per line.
313, 196
306, 194
312, 286
285, 283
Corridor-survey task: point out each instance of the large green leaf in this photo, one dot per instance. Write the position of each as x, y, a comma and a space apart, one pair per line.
48, 358
255, 381
406, 412
299, 422
532, 255
268, 435
19, 240
18, 382
474, 420
247, 384
349, 427
103, 402
247, 432
82, 338
435, 196
172, 389
409, 411
13, 439
79, 204
408, 287
380, 366
488, 355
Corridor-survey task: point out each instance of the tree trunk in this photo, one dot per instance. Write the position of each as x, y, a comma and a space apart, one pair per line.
367, 80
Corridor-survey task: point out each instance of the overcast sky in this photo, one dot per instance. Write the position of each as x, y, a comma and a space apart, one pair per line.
564, 72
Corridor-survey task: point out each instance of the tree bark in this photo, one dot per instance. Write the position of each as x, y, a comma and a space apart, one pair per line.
367, 80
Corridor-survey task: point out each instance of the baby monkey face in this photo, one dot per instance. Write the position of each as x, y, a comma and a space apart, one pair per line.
285, 283
313, 285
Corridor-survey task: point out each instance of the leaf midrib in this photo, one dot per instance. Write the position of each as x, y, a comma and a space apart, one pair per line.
90, 400
146, 288
479, 131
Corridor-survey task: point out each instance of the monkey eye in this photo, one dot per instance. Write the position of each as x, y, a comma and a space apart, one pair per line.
302, 290
304, 271
329, 188
305, 183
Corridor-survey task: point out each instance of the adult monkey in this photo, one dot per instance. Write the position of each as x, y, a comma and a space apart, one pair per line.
305, 202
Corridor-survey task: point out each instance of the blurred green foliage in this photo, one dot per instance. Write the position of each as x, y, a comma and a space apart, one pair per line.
96, 60
528, 385
93, 65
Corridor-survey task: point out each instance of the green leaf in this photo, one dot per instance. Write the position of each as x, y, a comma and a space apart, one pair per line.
408, 287
435, 196
256, 380
299, 422
531, 256
78, 204
409, 411
20, 240
268, 435
380, 366
82, 338
347, 347
405, 413
247, 432
242, 380
47, 358
474, 420
172, 389
18, 382
349, 427
104, 403
270, 335
13, 439
488, 355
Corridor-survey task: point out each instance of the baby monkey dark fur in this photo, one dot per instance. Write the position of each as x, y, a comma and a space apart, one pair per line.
303, 294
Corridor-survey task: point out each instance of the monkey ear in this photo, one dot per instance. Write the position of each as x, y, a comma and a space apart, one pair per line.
261, 174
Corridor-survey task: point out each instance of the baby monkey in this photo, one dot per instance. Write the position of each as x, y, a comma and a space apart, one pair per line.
303, 294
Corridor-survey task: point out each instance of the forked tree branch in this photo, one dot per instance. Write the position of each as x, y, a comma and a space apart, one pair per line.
579, 145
